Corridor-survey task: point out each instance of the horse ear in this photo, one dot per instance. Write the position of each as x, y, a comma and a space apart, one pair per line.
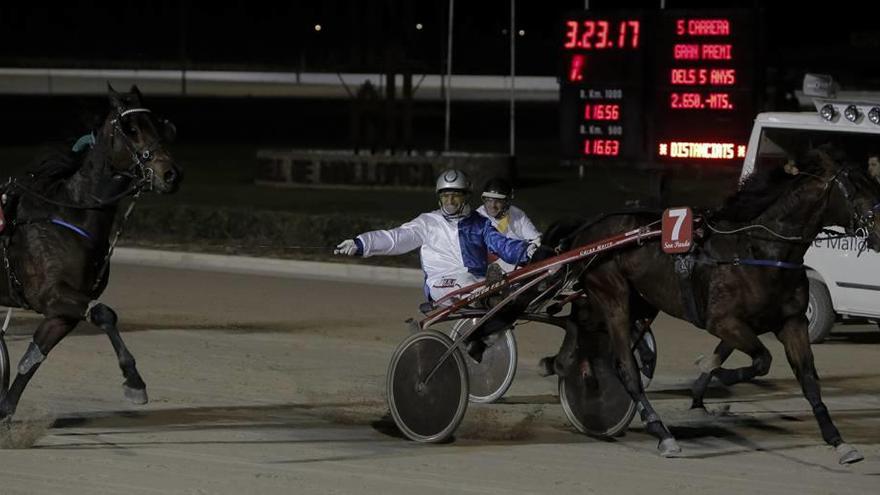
137, 94
115, 99
169, 130
874, 167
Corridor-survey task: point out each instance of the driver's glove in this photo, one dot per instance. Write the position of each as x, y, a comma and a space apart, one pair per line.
347, 247
533, 246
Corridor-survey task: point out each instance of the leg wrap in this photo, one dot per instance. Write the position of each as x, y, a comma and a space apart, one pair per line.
33, 357
88, 314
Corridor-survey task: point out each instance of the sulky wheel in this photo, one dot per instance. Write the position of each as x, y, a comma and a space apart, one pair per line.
592, 395
4, 366
427, 409
490, 378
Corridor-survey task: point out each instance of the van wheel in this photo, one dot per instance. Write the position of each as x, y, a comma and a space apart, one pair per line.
820, 312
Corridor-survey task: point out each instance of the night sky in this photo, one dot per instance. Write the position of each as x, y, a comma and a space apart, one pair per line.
380, 34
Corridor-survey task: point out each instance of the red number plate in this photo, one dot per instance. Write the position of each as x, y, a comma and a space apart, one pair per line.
678, 230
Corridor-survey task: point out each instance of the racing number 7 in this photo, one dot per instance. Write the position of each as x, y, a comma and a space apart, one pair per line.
677, 231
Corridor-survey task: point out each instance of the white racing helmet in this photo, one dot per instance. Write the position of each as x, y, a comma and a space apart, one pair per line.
454, 180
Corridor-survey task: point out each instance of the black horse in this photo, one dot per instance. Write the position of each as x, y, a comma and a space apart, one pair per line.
55, 249
744, 278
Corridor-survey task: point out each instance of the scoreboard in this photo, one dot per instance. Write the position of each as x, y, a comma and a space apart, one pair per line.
674, 86
602, 85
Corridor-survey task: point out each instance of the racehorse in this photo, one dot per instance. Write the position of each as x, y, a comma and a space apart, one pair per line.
56, 247
744, 277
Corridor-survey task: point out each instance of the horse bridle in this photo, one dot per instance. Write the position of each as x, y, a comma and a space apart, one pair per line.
139, 172
861, 222
140, 157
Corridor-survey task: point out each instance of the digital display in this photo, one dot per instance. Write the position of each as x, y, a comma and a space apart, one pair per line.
602, 86
674, 86
703, 104
602, 34
706, 151
602, 147
600, 111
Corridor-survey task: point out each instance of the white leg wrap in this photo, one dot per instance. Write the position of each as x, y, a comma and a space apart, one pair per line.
32, 357
92, 304
6, 320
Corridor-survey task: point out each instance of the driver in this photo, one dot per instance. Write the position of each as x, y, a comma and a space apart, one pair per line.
454, 240
506, 218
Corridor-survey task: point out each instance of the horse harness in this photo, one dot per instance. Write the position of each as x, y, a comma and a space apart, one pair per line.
860, 223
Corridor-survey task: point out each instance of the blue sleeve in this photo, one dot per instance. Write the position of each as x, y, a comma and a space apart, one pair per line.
510, 250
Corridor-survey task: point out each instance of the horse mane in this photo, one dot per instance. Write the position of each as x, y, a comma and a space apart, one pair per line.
55, 161
53, 165
765, 187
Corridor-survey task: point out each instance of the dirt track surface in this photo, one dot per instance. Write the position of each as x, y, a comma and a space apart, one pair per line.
273, 385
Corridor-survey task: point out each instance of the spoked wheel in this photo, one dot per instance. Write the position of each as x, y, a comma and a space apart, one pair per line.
592, 396
645, 353
427, 409
490, 378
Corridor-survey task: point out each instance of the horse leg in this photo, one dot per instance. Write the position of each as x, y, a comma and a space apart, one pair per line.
741, 337
64, 310
795, 340
104, 317
49, 333
611, 295
565, 359
707, 366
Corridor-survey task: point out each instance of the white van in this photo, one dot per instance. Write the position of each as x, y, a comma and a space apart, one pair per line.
844, 279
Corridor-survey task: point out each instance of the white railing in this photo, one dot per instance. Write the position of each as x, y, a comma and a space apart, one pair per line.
55, 81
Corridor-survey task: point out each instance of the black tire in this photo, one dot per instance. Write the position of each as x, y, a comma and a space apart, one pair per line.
592, 395
604, 410
489, 379
427, 411
820, 312
4, 366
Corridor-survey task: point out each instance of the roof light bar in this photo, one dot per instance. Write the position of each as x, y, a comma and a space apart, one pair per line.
828, 112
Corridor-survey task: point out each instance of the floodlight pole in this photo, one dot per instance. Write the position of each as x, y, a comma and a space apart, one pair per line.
512, 79
448, 84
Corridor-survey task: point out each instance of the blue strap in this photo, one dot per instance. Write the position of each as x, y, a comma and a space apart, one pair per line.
83, 233
771, 263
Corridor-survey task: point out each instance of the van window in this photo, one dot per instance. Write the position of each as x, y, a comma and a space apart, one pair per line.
777, 146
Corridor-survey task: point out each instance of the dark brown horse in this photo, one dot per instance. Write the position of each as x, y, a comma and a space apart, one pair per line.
744, 278
54, 253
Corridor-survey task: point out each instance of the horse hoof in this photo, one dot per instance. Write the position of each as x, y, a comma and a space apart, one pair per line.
668, 447
545, 367
135, 395
848, 454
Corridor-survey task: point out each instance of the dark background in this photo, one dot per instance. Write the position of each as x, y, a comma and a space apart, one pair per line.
840, 38
219, 208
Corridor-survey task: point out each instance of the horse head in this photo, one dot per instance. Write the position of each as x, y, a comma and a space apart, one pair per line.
853, 196
138, 143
